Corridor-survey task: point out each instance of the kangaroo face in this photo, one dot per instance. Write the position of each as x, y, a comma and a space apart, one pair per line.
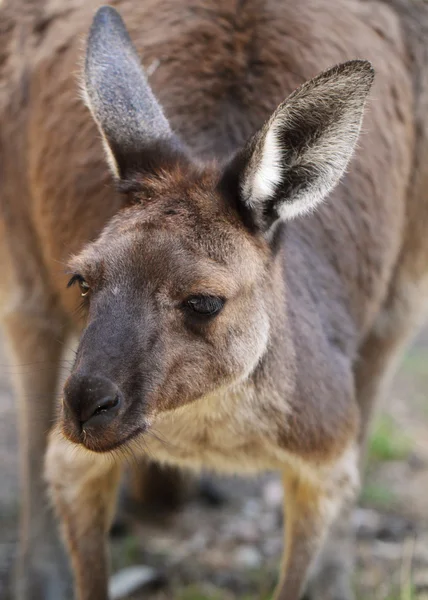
178, 287
176, 293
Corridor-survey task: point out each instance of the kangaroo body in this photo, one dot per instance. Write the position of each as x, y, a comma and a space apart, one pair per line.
345, 288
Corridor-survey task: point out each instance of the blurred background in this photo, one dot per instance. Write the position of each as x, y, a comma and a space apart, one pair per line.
227, 550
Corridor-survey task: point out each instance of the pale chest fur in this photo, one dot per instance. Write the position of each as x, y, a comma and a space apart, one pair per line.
228, 432
231, 433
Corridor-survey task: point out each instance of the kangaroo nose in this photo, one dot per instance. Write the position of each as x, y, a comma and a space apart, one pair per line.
91, 400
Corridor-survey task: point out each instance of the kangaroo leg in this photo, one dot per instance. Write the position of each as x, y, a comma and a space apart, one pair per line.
378, 359
42, 571
311, 504
330, 577
83, 487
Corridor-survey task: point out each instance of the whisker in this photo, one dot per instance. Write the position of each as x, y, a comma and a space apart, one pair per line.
141, 443
167, 443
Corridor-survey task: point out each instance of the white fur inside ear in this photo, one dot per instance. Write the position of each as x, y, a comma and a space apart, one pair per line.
299, 203
111, 161
109, 154
325, 161
291, 210
261, 185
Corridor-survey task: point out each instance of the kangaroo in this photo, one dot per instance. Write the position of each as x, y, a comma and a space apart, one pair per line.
246, 275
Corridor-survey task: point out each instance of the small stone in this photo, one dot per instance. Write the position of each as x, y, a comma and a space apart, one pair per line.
245, 531
366, 522
273, 494
161, 543
251, 508
130, 580
197, 543
370, 524
416, 462
273, 546
248, 557
216, 559
268, 523
394, 529
387, 551
421, 551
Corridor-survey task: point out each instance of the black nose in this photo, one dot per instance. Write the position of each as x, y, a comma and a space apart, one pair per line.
91, 400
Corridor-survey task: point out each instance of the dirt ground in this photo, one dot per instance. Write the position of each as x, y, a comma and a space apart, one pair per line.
232, 551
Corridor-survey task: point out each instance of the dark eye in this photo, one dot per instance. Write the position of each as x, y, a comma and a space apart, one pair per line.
205, 305
84, 286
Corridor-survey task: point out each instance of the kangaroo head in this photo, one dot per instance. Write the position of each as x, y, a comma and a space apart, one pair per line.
181, 288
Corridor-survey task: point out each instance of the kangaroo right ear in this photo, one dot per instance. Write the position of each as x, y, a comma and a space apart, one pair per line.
294, 161
134, 128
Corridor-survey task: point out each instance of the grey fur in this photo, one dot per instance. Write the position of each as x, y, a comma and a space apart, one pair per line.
117, 91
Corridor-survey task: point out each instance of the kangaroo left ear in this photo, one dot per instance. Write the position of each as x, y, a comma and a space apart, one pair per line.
299, 155
135, 131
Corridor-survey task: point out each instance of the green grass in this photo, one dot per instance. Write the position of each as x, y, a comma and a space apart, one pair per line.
407, 592
126, 552
195, 592
387, 442
202, 592
377, 496
416, 362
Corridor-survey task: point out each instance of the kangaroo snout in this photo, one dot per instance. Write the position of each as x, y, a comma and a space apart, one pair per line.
92, 407
91, 400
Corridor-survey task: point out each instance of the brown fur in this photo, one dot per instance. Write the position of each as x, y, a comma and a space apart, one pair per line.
338, 292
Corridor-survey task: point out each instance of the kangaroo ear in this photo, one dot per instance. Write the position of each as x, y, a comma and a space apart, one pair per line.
299, 155
130, 119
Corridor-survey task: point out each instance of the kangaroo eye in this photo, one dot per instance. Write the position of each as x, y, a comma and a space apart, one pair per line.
205, 305
84, 286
